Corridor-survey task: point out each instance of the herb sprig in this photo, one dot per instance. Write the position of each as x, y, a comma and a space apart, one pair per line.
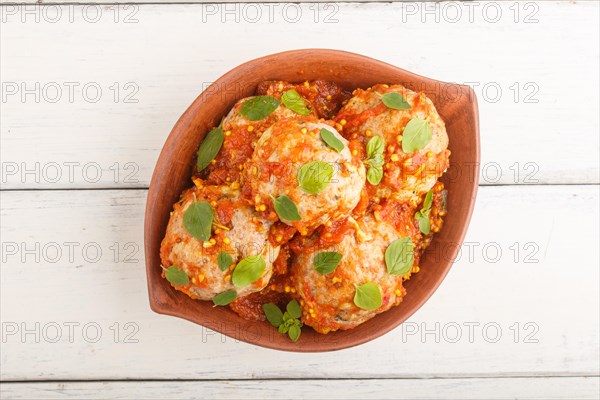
285, 322
422, 216
375, 160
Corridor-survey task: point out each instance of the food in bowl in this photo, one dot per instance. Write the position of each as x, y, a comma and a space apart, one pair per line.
311, 199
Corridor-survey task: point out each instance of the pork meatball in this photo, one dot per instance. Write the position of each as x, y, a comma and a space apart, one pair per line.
405, 174
240, 135
291, 153
236, 230
328, 298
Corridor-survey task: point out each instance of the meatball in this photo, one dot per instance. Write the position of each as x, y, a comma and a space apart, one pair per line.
240, 135
236, 230
405, 174
292, 150
328, 299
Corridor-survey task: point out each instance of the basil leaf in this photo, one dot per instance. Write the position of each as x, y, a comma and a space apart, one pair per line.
273, 314
259, 107
209, 148
292, 100
198, 218
222, 299
331, 140
224, 260
287, 318
368, 296
374, 174
314, 177
422, 216
416, 135
326, 262
399, 257
428, 200
283, 328
395, 100
248, 270
293, 309
374, 146
423, 220
294, 333
286, 209
176, 276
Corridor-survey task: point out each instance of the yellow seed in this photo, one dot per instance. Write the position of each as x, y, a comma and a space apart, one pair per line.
212, 241
328, 97
310, 310
280, 87
343, 122
339, 127
416, 269
287, 289
226, 240
398, 292
207, 244
194, 280
394, 157
200, 278
250, 128
354, 152
293, 290
301, 302
368, 133
262, 207
306, 84
279, 238
385, 86
303, 130
235, 185
399, 138
213, 203
227, 277
213, 162
336, 279
408, 161
227, 133
430, 154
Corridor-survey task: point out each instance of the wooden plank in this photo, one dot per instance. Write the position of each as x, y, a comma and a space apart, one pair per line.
80, 318
161, 58
490, 388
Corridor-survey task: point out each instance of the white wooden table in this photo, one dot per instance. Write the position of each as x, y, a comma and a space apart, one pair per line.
89, 94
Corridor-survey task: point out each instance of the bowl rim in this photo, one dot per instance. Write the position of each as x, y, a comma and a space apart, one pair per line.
349, 341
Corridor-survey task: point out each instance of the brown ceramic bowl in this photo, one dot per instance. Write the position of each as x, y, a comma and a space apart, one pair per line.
455, 103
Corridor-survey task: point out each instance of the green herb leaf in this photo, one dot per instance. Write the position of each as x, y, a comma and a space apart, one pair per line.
224, 260
294, 309
326, 262
374, 146
259, 107
286, 209
416, 135
428, 200
395, 100
331, 140
294, 333
176, 276
210, 147
283, 328
287, 318
375, 174
314, 177
222, 299
422, 216
273, 314
423, 220
295, 102
248, 270
399, 257
368, 296
198, 219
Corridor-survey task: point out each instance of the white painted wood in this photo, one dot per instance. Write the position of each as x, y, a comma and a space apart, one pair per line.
463, 389
172, 52
555, 300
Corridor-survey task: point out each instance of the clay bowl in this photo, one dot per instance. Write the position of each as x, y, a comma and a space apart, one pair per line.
456, 104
